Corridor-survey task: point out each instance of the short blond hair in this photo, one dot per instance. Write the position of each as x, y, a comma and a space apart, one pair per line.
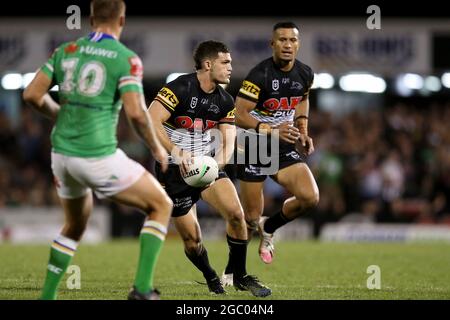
107, 10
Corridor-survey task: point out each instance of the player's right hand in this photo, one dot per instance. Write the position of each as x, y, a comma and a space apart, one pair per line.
287, 132
183, 158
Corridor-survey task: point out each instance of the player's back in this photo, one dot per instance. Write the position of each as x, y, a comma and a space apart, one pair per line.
91, 73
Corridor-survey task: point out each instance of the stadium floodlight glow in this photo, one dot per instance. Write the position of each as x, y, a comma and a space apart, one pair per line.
362, 82
412, 81
446, 80
323, 81
432, 83
173, 76
27, 78
401, 88
406, 83
12, 81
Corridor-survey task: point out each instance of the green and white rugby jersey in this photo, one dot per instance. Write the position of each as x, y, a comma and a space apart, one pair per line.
91, 73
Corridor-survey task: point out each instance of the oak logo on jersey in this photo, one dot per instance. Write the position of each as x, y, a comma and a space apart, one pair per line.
250, 89
167, 97
196, 124
283, 103
137, 69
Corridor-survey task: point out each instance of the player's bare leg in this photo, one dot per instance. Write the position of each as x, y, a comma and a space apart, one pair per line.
253, 209
148, 195
223, 197
299, 181
76, 212
190, 232
252, 199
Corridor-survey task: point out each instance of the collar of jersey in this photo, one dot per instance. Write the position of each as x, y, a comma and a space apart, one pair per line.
99, 36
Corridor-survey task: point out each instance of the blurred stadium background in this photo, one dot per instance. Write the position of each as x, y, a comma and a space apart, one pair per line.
380, 114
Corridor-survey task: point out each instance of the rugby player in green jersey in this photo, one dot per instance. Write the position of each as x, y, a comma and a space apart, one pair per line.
96, 75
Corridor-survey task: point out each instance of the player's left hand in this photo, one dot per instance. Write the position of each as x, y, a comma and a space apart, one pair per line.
161, 156
306, 143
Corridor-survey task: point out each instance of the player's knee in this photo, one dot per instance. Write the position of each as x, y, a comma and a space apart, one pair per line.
167, 204
253, 214
252, 224
236, 218
161, 204
309, 199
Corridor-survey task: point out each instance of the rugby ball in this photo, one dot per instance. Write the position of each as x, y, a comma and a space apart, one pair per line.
202, 171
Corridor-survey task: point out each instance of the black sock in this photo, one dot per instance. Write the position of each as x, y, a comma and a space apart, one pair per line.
237, 257
250, 229
201, 261
229, 267
275, 221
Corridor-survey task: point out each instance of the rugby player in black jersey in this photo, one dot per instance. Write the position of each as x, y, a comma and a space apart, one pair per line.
185, 111
273, 99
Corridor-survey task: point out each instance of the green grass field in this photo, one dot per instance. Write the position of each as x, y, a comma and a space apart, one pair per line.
301, 270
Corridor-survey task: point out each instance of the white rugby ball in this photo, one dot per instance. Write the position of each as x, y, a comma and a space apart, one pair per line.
202, 171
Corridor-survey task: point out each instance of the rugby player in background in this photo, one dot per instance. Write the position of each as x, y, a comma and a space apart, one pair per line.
273, 100
95, 75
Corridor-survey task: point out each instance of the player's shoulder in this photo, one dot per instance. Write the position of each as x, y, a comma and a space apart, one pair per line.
262, 67
226, 97
69, 46
185, 79
127, 59
303, 68
181, 87
123, 50
183, 83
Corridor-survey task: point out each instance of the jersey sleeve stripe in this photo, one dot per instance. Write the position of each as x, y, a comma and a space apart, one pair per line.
226, 121
248, 94
129, 82
49, 66
125, 78
164, 103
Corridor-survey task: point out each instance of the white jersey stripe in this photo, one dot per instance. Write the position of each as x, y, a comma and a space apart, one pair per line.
197, 143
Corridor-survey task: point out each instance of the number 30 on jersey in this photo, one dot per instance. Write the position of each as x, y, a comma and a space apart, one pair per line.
91, 77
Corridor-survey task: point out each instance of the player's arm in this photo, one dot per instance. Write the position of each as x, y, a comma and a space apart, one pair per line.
301, 117
159, 114
244, 119
301, 122
135, 109
227, 129
36, 95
